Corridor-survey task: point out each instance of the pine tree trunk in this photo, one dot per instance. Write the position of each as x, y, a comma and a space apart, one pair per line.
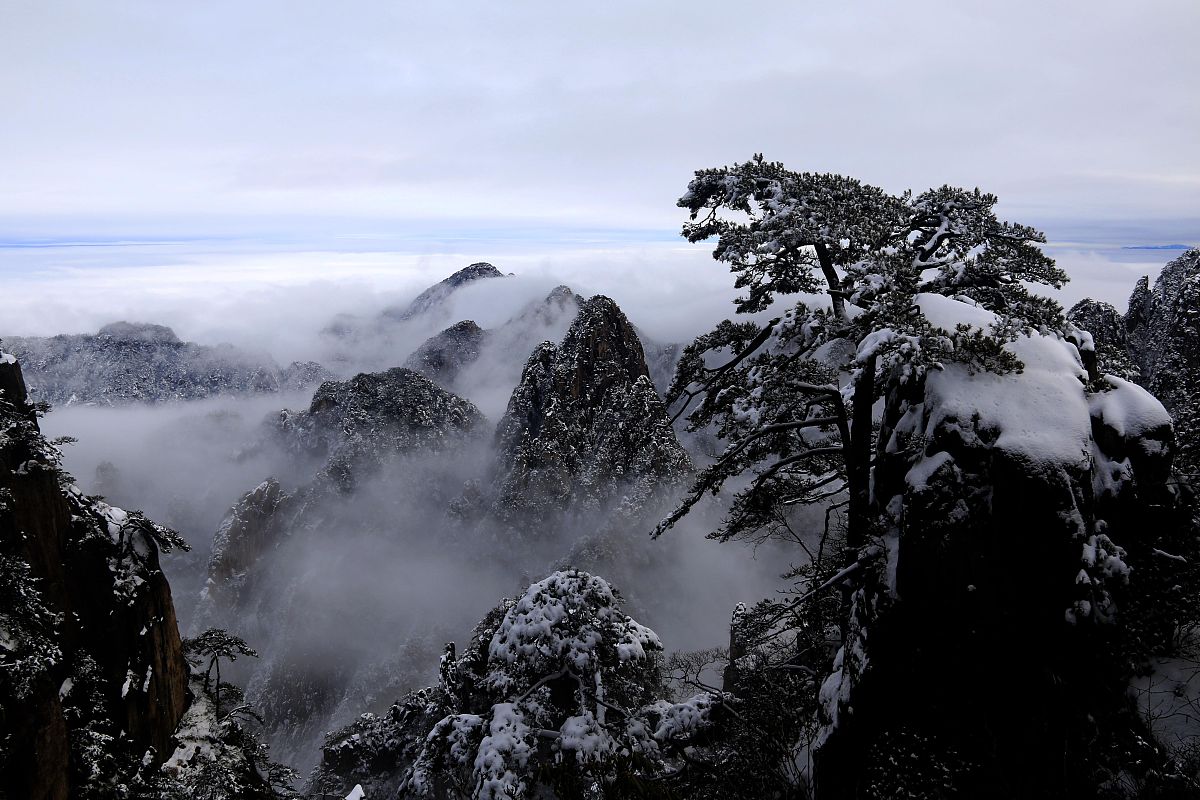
858, 460
831, 278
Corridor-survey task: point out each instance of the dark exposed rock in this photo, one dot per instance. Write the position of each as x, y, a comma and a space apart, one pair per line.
1164, 332
135, 362
1157, 344
1104, 322
585, 426
355, 425
1107, 327
442, 357
92, 649
995, 621
360, 434
246, 533
438, 293
350, 430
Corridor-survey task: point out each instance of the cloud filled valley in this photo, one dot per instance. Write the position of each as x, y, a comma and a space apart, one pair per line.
376, 557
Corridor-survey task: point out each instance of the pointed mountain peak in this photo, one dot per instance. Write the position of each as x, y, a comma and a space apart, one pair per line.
474, 272
444, 355
561, 295
585, 425
435, 295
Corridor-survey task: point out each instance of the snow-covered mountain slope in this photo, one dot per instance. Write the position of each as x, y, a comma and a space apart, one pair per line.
1157, 344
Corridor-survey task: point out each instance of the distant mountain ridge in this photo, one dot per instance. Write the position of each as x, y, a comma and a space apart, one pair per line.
127, 362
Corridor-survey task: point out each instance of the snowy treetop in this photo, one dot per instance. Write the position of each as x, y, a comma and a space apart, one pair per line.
569, 620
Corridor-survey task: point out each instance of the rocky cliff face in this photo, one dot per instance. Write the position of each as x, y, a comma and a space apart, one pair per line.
1157, 344
355, 425
1109, 337
1164, 330
585, 427
94, 679
378, 442
126, 362
351, 429
442, 357
245, 535
1027, 519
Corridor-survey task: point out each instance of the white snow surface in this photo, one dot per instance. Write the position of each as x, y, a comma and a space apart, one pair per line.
1041, 414
1128, 408
684, 719
7, 358
947, 313
506, 746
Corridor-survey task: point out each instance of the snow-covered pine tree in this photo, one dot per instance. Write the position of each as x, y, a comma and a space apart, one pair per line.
952, 662
772, 389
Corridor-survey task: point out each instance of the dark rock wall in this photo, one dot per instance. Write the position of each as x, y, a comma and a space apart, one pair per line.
585, 426
98, 570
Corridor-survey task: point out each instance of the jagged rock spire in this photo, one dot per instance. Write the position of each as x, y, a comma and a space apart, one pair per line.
585, 426
443, 356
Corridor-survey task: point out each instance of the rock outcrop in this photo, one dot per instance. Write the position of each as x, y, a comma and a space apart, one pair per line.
1107, 327
377, 443
1157, 344
355, 425
1164, 332
351, 429
1025, 520
246, 533
133, 362
585, 427
443, 356
94, 679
